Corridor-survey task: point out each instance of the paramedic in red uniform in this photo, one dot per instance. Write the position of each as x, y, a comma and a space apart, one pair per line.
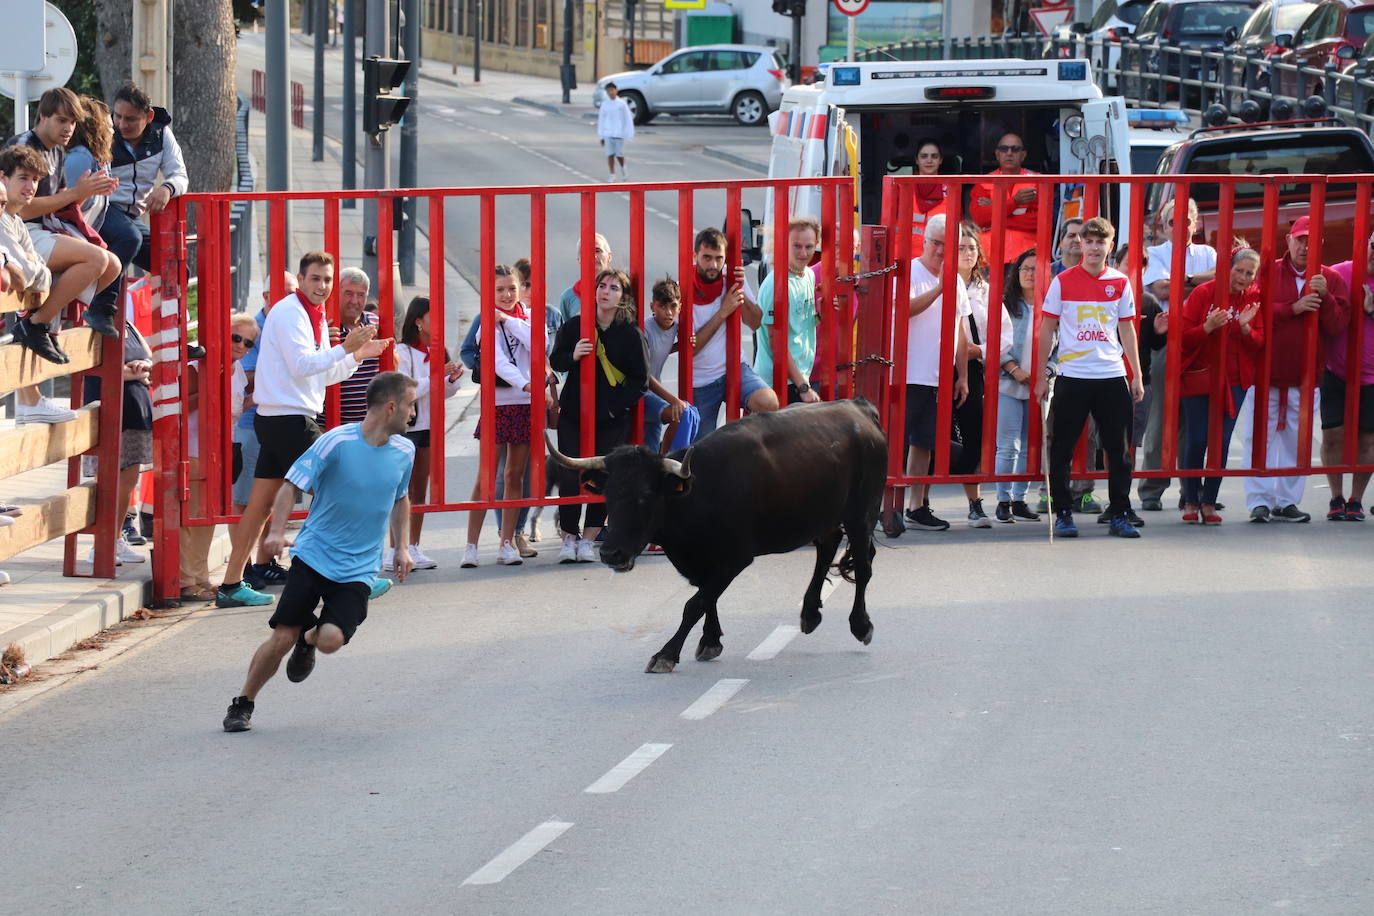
1020, 200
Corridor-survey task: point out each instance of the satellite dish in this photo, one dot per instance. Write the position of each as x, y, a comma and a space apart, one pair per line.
61, 58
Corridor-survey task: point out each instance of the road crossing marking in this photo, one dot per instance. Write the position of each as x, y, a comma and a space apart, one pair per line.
627, 769
715, 698
518, 853
774, 644
483, 109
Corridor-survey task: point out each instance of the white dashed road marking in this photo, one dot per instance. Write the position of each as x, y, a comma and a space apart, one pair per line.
627, 769
518, 853
775, 643
715, 698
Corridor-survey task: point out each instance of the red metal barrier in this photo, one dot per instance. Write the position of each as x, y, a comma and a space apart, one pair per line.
297, 105
868, 358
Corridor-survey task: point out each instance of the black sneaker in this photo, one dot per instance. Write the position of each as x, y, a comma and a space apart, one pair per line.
1019, 510
923, 519
1134, 519
101, 321
1003, 513
1290, 513
57, 345
977, 518
1354, 512
240, 714
27, 334
1260, 515
301, 662
269, 573
1335, 511
132, 534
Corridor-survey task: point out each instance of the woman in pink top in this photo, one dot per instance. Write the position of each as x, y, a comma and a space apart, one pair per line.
1334, 389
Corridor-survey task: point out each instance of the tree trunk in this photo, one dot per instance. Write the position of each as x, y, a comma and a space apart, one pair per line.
203, 75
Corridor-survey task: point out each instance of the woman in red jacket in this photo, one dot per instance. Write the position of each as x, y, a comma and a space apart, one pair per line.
929, 198
1214, 340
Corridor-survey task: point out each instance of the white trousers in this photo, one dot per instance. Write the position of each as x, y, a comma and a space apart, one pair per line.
1281, 448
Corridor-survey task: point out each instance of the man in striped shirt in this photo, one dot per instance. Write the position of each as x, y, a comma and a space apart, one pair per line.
353, 289
1090, 306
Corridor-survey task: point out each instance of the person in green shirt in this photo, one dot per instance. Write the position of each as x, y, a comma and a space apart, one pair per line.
803, 236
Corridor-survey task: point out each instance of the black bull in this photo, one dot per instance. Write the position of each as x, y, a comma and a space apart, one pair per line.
769, 483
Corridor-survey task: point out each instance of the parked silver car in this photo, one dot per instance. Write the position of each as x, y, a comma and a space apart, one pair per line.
746, 81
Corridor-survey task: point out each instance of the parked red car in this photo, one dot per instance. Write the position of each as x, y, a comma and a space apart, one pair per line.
1333, 25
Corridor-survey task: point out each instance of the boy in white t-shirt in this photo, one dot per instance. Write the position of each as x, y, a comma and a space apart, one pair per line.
1090, 306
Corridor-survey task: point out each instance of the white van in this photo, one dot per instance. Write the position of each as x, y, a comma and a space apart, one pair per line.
869, 119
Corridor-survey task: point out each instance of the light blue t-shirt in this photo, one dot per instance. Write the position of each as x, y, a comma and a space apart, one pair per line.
802, 321
356, 485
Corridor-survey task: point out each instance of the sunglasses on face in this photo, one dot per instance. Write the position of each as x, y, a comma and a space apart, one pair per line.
240, 339
1010, 149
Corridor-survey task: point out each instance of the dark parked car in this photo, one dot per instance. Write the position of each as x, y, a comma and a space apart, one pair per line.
1358, 65
1267, 34
1112, 22
1196, 25
1331, 26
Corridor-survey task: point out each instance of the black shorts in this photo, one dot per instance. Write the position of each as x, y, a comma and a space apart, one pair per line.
418, 437
921, 413
345, 603
281, 440
1333, 404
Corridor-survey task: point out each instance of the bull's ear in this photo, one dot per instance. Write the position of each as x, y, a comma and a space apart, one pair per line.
594, 482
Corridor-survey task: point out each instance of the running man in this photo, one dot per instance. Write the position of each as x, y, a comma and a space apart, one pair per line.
360, 475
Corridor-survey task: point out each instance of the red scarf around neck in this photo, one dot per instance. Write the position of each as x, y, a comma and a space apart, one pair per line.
316, 313
704, 293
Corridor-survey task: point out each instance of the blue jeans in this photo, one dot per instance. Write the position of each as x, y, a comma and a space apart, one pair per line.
128, 240
1203, 491
243, 485
708, 398
1013, 431
653, 424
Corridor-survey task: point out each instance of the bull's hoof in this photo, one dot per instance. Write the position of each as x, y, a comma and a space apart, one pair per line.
809, 624
659, 665
867, 637
708, 653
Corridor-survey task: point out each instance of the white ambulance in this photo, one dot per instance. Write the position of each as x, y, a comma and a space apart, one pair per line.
867, 120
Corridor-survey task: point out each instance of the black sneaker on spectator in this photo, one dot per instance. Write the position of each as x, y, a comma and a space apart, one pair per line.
102, 321
35, 337
1152, 505
924, 520
1022, 512
1290, 513
1335, 511
1354, 512
132, 534
1260, 514
1003, 513
1134, 519
1087, 504
266, 574
977, 518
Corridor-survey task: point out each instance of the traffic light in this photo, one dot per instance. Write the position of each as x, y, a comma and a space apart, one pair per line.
382, 106
795, 8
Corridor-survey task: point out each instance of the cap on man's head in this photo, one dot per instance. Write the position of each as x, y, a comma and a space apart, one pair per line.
1300, 227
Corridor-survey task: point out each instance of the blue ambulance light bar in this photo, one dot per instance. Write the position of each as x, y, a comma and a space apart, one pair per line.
843, 76
1073, 70
1156, 117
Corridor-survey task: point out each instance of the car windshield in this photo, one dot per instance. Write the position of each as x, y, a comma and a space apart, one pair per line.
1359, 23
1145, 158
1197, 20
1288, 18
1131, 13
1247, 155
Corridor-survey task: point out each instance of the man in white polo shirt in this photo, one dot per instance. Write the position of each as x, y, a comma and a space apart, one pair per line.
295, 365
1090, 306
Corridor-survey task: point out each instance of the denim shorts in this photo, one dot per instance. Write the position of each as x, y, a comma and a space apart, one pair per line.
711, 396
615, 146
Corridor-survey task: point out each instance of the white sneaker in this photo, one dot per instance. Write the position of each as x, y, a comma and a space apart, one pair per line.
507, 555
119, 557
568, 552
5, 520
45, 411
419, 560
4, 577
587, 551
469, 556
389, 558
126, 554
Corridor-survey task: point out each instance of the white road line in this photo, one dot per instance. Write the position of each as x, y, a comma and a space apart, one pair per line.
627, 769
518, 853
828, 587
776, 641
486, 110
715, 698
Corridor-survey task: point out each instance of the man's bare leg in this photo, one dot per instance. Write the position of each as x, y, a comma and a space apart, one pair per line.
75, 265
243, 537
267, 659
917, 463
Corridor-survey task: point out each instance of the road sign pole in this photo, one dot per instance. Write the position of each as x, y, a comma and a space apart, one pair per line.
849, 43
21, 102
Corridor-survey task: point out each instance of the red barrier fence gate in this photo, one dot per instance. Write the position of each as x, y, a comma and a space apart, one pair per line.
861, 339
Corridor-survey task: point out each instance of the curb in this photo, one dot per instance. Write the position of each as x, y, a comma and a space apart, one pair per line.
734, 159
558, 108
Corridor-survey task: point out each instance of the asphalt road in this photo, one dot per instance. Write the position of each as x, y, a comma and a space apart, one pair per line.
1176, 724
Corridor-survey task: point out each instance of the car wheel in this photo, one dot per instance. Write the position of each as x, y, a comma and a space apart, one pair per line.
749, 108
635, 102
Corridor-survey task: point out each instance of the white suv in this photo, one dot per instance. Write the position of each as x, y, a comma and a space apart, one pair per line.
746, 81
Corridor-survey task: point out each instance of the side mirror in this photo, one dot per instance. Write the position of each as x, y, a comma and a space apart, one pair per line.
1284, 39
1079, 28
1345, 52
1230, 35
749, 250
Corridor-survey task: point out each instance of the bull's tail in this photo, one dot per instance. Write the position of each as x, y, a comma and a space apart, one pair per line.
847, 562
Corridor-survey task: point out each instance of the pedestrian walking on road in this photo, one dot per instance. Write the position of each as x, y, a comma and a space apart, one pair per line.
614, 126
360, 475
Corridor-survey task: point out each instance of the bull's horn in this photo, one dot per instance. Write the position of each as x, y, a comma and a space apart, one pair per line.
681, 468
578, 464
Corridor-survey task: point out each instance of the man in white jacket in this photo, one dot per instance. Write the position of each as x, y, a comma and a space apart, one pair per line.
295, 365
615, 125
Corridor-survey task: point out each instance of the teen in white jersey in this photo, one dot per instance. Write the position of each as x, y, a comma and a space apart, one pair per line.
360, 475
1090, 306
